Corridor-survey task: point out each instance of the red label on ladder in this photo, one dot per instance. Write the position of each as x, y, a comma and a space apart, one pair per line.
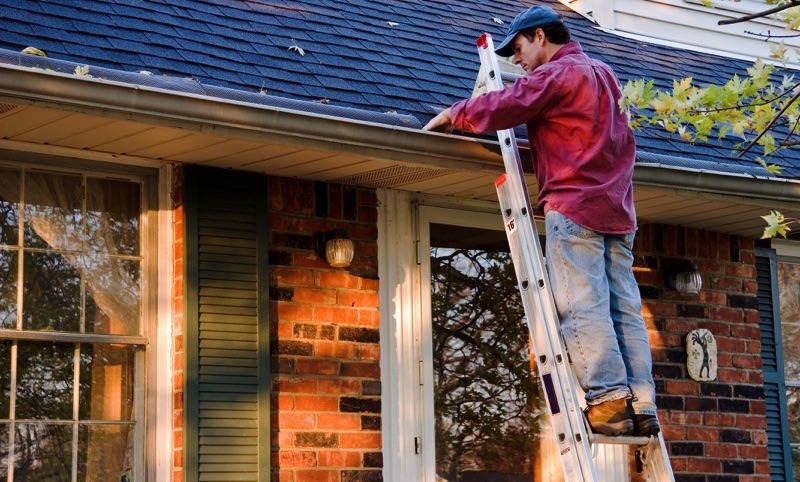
500, 180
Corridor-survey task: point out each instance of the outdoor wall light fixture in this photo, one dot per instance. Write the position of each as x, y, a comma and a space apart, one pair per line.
682, 276
336, 246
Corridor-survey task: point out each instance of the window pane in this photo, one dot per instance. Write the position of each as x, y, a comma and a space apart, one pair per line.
53, 211
112, 216
42, 452
789, 285
112, 295
51, 293
5, 380
8, 288
106, 386
487, 411
44, 380
4, 450
105, 452
9, 206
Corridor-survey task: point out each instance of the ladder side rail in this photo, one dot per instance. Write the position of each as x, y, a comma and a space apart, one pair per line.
565, 416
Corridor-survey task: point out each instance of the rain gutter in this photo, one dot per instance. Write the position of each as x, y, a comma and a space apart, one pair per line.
230, 118
269, 124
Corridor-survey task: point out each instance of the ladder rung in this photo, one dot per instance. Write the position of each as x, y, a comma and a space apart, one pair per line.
600, 439
509, 77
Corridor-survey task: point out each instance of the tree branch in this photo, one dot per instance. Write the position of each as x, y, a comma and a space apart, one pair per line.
765, 13
771, 123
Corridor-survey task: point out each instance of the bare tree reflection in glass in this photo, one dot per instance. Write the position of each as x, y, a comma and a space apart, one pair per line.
487, 420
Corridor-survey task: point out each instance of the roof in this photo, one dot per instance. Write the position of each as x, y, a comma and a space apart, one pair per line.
391, 61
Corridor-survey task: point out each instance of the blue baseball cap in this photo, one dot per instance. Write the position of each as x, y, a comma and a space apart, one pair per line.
535, 16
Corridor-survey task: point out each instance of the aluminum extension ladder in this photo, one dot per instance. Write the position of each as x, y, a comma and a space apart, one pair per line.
577, 445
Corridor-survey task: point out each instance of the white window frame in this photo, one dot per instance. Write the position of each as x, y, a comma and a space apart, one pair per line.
153, 437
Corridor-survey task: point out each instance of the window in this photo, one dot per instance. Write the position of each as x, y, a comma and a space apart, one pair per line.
789, 302
72, 336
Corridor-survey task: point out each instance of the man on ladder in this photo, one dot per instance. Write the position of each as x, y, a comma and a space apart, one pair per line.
583, 153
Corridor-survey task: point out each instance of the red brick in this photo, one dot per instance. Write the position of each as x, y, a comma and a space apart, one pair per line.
335, 314
294, 459
751, 421
292, 277
654, 308
339, 386
369, 317
749, 361
702, 434
314, 295
294, 420
316, 403
758, 407
316, 476
719, 419
365, 370
682, 387
339, 459
360, 299
333, 349
369, 352
369, 284
360, 440
336, 279
753, 347
282, 402
317, 367
295, 386
708, 267
724, 451
732, 375
734, 315
742, 271
338, 421
729, 345
704, 465
293, 312
749, 332
684, 419
678, 464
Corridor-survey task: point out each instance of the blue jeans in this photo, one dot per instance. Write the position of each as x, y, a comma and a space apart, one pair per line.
598, 302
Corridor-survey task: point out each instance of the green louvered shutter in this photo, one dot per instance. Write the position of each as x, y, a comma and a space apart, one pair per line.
226, 402
772, 358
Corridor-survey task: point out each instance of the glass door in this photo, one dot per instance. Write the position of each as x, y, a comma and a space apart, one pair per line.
484, 416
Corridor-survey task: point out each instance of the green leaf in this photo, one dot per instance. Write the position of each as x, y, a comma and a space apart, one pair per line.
776, 224
771, 168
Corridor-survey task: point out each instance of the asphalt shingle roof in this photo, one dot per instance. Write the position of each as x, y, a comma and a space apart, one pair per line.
411, 57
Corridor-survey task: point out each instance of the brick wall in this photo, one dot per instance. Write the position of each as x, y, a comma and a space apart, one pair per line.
324, 326
715, 431
325, 344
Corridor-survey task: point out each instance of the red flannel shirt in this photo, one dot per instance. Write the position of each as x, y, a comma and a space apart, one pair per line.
582, 147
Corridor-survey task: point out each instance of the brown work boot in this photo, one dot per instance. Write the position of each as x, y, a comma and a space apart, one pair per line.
646, 425
610, 418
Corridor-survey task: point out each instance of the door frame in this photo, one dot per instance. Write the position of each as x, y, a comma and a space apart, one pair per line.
427, 215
